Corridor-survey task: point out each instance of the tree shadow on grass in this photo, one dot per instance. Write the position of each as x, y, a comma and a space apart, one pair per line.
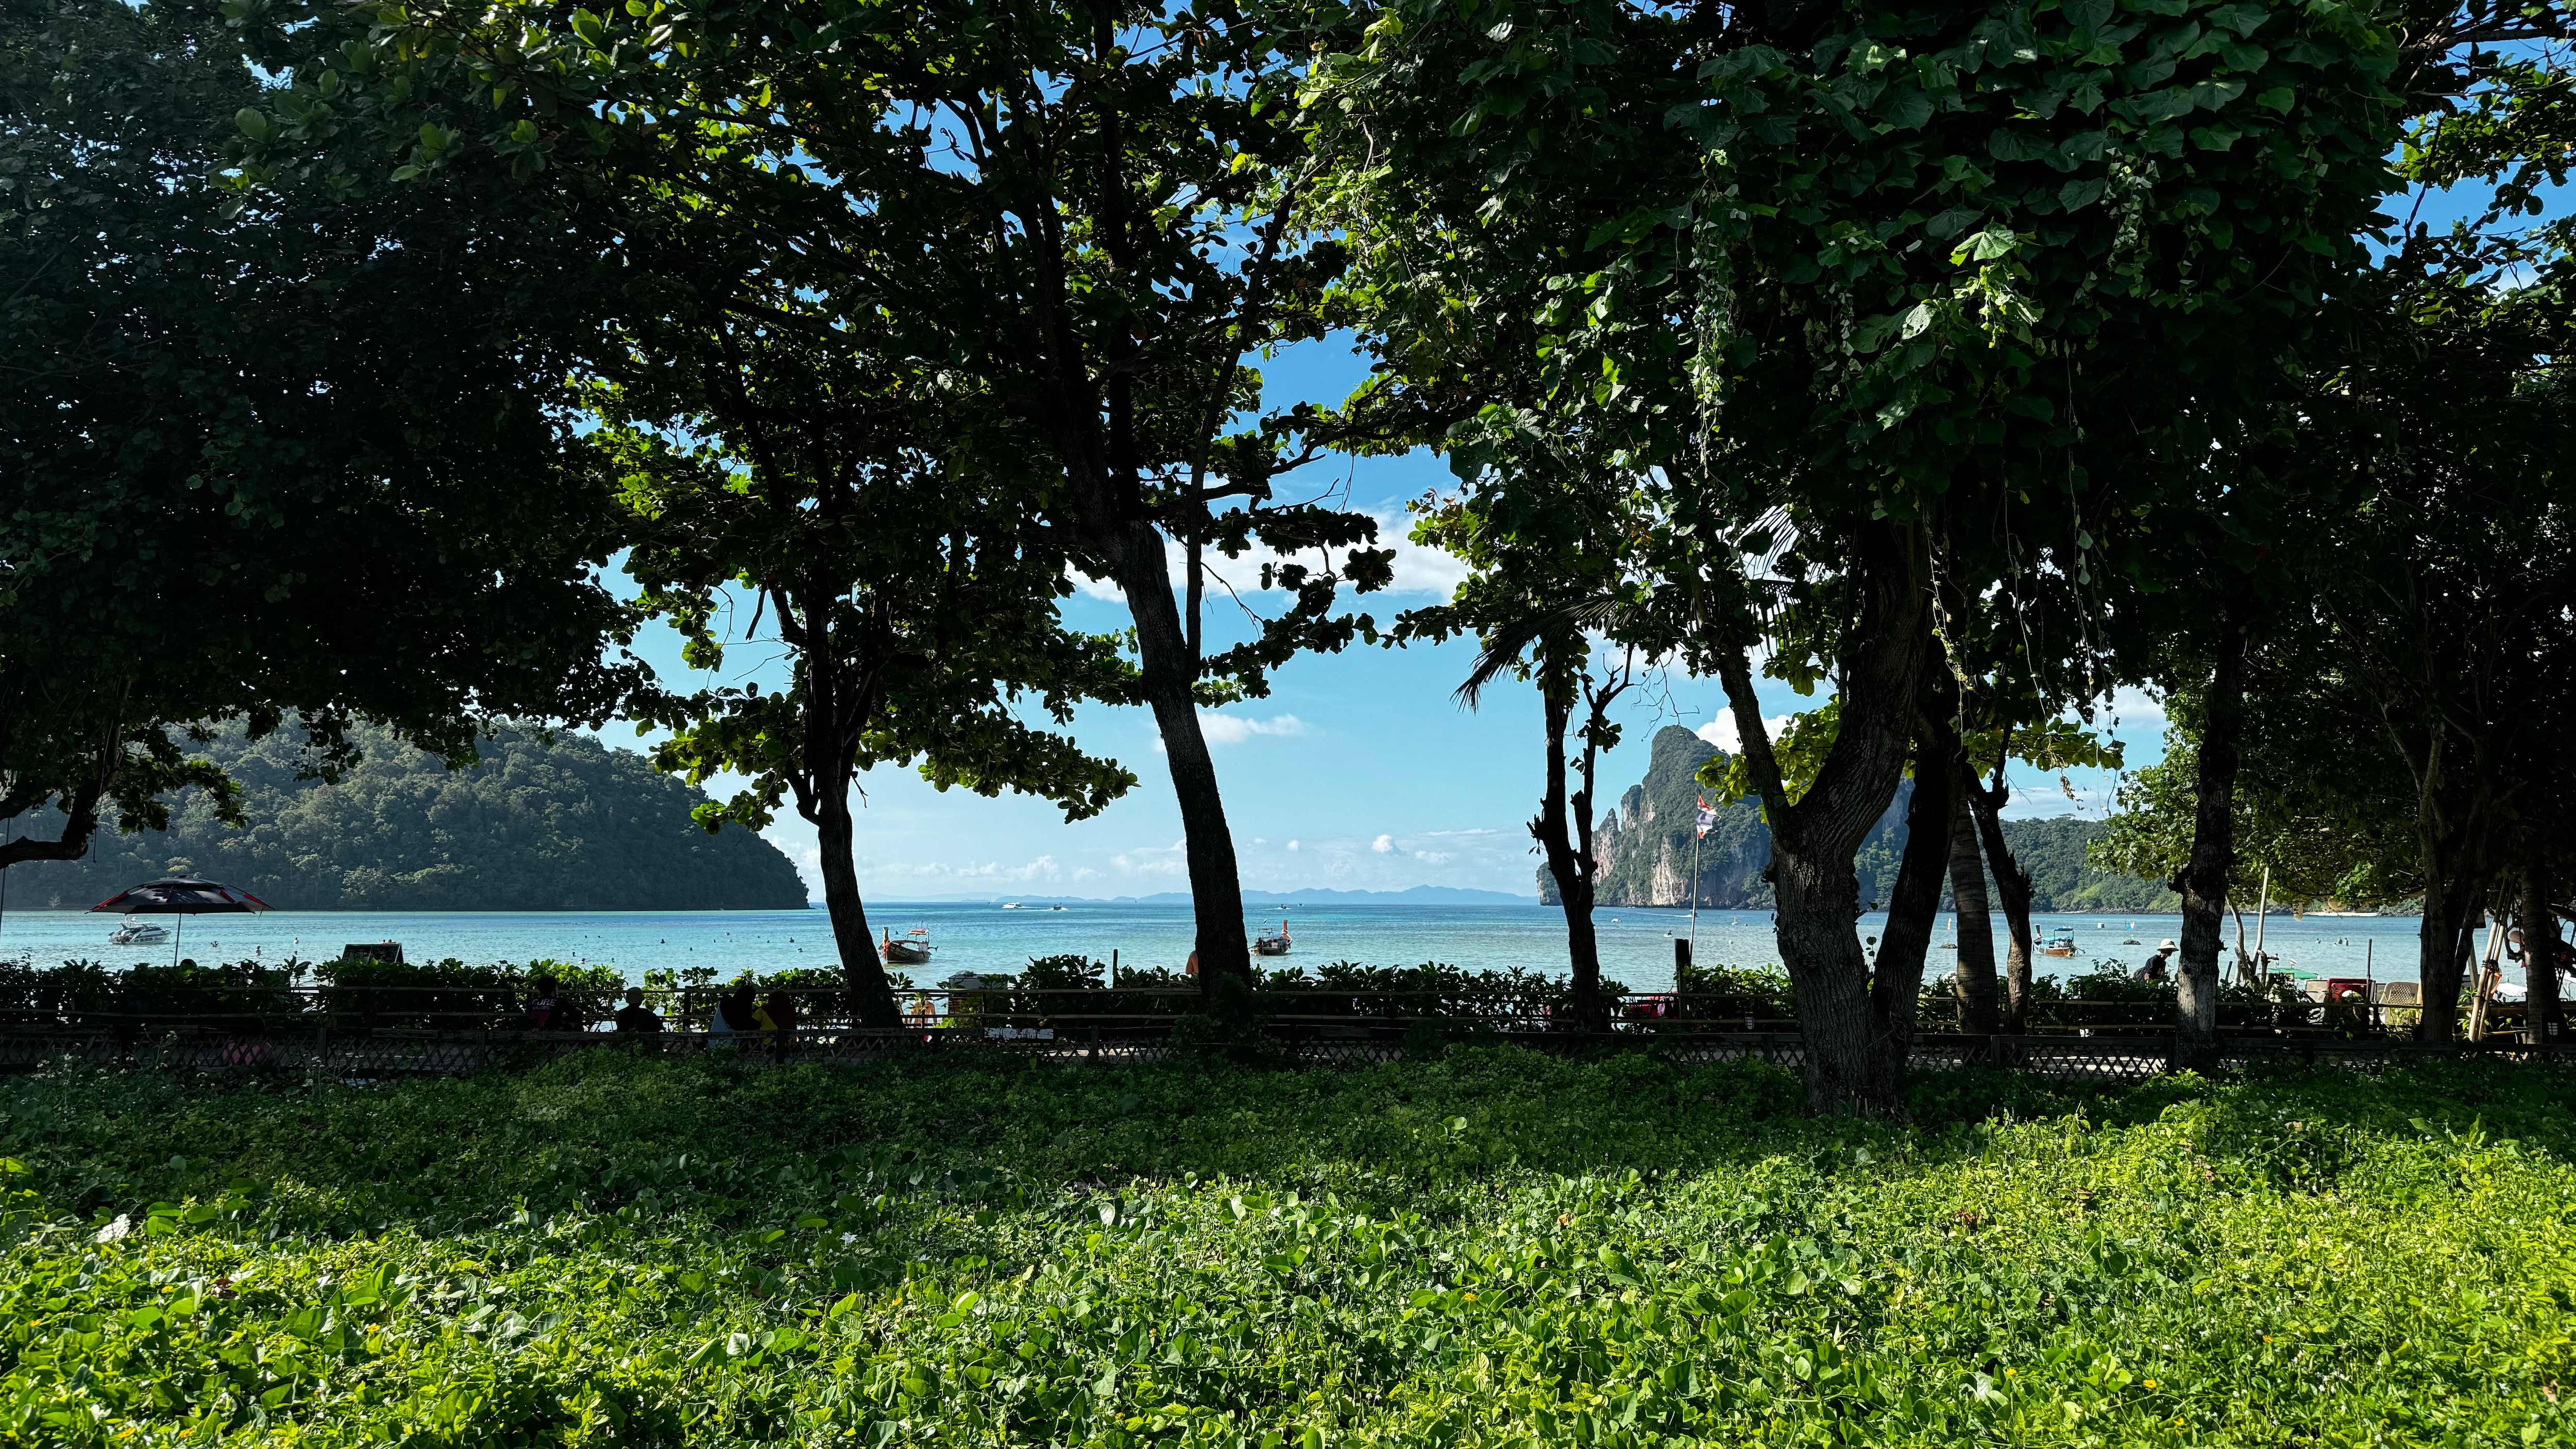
735, 1138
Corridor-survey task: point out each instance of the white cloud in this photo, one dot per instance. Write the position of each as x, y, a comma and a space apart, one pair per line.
1434, 857
1383, 845
1170, 860
1722, 732
2136, 706
1293, 845
1234, 729
1045, 867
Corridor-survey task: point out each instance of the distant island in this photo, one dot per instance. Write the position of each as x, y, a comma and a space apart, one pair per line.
1645, 849
561, 823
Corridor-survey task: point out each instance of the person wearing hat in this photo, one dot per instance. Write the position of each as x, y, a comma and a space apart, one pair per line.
2154, 970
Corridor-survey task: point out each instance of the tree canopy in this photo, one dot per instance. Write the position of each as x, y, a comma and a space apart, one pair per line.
285, 450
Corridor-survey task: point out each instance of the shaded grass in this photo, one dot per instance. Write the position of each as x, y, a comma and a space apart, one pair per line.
1492, 1247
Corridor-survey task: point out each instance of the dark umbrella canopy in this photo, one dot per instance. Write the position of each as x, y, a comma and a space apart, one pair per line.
182, 898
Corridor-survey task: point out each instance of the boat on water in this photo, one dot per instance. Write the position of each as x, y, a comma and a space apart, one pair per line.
910, 949
138, 933
1010, 905
1055, 908
2058, 946
1272, 945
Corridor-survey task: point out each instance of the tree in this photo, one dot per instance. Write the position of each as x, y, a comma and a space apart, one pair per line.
1874, 296
2387, 720
2050, 743
2445, 52
901, 562
265, 455
1089, 209
1548, 587
2455, 623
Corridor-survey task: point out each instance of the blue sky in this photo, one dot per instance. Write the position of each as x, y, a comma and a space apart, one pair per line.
1360, 771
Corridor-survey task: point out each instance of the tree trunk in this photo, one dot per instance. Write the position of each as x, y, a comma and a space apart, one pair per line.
1976, 924
2012, 889
1553, 829
1848, 1063
2203, 878
1852, 1065
2444, 944
1169, 673
1914, 906
872, 1001
2539, 955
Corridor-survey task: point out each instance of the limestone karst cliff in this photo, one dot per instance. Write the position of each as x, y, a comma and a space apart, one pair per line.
1645, 848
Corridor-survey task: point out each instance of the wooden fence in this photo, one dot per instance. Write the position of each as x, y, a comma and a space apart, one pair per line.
391, 1031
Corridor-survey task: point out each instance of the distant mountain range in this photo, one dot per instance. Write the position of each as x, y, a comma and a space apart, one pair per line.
1422, 895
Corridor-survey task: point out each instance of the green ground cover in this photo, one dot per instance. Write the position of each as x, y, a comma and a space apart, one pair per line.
1489, 1247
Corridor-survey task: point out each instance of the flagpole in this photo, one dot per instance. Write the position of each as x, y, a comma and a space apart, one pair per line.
1699, 832
1694, 927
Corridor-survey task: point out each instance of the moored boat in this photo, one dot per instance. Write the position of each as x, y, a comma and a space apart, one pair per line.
911, 949
1272, 945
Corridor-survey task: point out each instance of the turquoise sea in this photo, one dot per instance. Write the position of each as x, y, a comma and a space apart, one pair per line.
1636, 943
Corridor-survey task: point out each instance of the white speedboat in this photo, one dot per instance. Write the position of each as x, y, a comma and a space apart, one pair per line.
138, 933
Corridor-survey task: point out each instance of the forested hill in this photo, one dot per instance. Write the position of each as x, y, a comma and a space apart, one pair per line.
559, 824
1645, 849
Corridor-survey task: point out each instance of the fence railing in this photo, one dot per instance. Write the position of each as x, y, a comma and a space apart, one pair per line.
1007, 1011
315, 1049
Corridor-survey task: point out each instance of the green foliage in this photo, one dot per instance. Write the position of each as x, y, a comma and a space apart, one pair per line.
1868, 263
1735, 990
451, 995
308, 451
1064, 973
1491, 1248
544, 822
896, 550
1432, 989
1800, 751
85, 993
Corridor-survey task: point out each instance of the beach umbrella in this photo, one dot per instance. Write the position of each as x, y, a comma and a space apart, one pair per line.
181, 898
